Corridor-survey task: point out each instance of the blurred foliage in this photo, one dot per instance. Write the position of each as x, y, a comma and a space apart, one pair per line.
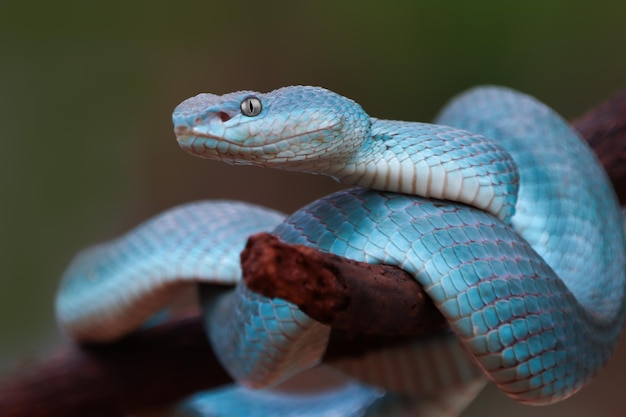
87, 88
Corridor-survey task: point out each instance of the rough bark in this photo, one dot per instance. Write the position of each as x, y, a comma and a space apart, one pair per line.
604, 128
347, 295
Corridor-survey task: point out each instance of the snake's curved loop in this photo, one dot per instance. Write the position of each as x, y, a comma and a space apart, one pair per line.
112, 288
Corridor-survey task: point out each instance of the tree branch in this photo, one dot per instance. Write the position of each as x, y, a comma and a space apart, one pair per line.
153, 367
351, 296
604, 128
148, 368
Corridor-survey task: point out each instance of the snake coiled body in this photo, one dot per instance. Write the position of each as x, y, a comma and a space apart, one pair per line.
499, 211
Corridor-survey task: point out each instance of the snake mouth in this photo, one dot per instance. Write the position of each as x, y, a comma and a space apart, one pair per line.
187, 135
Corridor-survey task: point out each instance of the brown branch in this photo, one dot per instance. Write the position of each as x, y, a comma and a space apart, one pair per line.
604, 127
149, 368
155, 366
347, 295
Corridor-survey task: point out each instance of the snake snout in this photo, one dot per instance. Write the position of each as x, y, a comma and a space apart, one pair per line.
182, 132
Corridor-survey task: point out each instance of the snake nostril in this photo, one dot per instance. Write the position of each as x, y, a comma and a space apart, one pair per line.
181, 130
224, 117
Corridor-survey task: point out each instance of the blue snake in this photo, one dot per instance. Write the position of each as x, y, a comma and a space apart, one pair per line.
500, 211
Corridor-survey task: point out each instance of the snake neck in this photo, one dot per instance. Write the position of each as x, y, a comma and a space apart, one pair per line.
434, 161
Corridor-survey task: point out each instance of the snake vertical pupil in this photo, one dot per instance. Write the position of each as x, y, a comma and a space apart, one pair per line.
251, 106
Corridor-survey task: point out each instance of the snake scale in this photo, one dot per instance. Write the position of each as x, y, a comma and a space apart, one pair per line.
499, 210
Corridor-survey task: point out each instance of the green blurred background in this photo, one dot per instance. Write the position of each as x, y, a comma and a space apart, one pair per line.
87, 88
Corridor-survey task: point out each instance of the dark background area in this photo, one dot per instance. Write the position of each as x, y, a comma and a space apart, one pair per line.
87, 89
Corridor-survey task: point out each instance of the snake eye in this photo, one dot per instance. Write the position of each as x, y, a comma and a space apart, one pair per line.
251, 106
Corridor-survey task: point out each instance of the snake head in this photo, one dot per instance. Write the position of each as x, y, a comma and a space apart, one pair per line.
297, 128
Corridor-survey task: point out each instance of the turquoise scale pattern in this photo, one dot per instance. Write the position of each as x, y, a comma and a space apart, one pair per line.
508, 307
566, 209
414, 158
274, 337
